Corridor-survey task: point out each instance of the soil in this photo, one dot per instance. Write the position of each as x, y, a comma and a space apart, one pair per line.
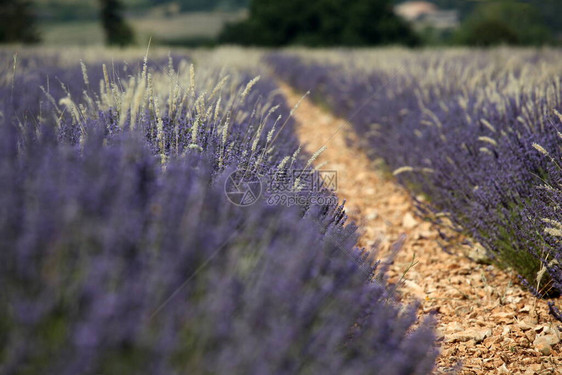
487, 323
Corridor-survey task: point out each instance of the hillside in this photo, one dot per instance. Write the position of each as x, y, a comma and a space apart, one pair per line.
70, 10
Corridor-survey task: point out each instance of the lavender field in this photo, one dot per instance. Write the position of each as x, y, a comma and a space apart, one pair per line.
122, 251
122, 254
476, 134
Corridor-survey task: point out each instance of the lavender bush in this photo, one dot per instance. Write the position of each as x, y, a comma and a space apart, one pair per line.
121, 254
460, 130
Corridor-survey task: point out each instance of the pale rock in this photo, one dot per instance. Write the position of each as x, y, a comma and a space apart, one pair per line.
543, 349
503, 316
513, 299
454, 327
526, 324
503, 369
409, 222
415, 289
551, 339
369, 191
531, 335
426, 227
544, 343
463, 310
533, 369
430, 289
478, 335
394, 200
439, 335
478, 254
425, 234
539, 328
371, 244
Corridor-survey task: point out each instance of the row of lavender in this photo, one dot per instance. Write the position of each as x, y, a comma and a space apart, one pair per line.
478, 134
121, 253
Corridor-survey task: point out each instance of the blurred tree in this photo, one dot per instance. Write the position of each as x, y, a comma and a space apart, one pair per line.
551, 10
487, 32
504, 22
320, 23
17, 22
117, 31
374, 22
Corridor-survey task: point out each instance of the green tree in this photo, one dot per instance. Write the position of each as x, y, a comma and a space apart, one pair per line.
17, 22
374, 22
203, 5
319, 23
117, 31
504, 22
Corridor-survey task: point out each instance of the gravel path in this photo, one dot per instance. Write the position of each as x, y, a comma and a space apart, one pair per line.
486, 321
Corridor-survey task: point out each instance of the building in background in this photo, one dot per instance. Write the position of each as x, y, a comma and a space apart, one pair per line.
423, 15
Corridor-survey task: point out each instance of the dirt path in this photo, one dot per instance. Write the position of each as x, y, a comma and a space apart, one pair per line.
485, 320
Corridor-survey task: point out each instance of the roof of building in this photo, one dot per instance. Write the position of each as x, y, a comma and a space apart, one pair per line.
413, 10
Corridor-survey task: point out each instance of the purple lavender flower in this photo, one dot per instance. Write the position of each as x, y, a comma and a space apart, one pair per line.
112, 263
467, 148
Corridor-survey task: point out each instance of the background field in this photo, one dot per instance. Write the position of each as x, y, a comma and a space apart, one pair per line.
182, 28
